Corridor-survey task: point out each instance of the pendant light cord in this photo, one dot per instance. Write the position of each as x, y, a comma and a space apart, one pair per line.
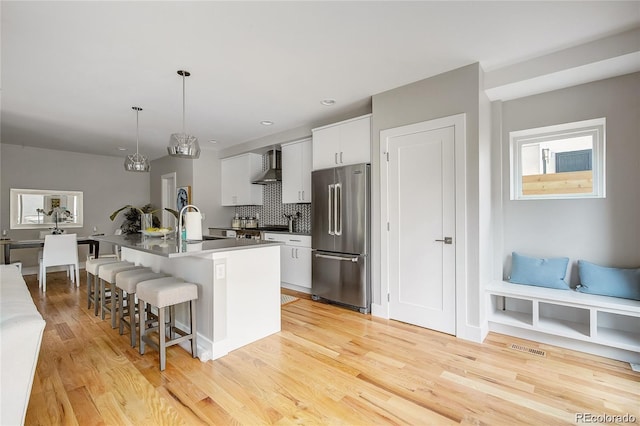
183, 103
137, 130
137, 109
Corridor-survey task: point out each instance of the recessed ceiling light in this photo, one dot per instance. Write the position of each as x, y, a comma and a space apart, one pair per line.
266, 122
328, 102
121, 148
213, 141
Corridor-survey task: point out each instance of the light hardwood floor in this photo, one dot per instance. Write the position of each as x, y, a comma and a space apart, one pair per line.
328, 366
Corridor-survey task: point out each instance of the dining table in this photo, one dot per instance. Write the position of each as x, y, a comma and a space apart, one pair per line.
9, 244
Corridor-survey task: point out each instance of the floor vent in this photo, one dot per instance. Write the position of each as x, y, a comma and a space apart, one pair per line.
521, 348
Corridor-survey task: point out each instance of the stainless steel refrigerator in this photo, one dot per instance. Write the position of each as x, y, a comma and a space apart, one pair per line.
340, 229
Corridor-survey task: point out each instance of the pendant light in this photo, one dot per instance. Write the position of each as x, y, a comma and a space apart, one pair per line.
182, 144
137, 162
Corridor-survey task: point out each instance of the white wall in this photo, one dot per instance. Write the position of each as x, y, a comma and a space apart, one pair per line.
604, 231
105, 184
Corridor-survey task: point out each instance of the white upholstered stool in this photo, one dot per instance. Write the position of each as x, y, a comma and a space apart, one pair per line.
107, 275
92, 267
126, 282
163, 293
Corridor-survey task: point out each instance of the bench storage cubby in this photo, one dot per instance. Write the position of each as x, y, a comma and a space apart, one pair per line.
601, 325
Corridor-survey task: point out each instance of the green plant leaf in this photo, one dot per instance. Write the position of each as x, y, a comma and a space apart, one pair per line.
114, 214
173, 212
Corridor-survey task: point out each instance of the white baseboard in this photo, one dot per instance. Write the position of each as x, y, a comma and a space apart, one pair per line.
565, 342
207, 350
379, 311
297, 288
471, 333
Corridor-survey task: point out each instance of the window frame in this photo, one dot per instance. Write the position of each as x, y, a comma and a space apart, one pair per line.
596, 128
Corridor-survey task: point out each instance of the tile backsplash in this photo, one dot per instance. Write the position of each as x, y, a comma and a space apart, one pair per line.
272, 210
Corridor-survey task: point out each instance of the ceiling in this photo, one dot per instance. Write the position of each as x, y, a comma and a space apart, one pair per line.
71, 71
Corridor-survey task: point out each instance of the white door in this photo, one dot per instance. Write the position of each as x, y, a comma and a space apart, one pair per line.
421, 215
169, 199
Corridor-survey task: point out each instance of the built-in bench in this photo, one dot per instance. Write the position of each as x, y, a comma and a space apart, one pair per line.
602, 325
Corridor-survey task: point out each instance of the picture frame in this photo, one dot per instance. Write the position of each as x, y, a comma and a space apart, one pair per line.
183, 197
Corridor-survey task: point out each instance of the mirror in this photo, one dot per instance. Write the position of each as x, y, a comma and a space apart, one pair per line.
43, 209
562, 161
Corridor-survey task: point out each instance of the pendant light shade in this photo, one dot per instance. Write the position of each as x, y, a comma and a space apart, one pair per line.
183, 145
137, 162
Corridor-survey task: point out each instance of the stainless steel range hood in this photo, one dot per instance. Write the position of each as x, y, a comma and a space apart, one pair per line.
274, 173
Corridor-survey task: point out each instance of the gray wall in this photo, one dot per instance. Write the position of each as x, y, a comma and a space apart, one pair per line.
106, 186
203, 175
604, 231
207, 190
447, 94
183, 169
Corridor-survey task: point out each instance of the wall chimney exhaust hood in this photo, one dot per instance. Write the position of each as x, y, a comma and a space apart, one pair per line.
274, 172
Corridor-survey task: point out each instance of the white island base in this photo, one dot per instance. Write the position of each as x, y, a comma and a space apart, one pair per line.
238, 294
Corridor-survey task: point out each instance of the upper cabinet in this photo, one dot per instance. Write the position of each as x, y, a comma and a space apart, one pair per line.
339, 144
296, 172
237, 174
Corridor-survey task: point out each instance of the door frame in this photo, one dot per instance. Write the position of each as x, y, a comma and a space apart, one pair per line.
168, 197
458, 122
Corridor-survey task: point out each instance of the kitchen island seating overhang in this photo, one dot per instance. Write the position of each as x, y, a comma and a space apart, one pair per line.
236, 305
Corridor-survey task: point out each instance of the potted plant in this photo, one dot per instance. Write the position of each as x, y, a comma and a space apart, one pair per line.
137, 218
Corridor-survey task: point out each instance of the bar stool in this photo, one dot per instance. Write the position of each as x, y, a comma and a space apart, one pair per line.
162, 293
107, 275
92, 267
126, 282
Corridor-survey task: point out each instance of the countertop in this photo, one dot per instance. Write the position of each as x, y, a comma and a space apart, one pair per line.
171, 248
284, 231
287, 232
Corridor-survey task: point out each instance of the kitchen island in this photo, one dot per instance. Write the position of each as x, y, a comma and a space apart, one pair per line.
238, 285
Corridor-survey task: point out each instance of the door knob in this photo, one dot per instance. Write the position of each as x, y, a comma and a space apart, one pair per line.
447, 240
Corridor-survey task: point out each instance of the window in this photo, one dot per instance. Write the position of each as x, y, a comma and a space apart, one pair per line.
561, 161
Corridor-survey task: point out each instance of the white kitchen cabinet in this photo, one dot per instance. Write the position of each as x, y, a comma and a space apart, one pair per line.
295, 260
296, 172
237, 174
339, 144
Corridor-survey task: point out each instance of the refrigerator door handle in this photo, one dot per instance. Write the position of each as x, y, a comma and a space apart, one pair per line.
346, 259
330, 191
338, 209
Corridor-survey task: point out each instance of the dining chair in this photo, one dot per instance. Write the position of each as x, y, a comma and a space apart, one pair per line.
59, 250
41, 236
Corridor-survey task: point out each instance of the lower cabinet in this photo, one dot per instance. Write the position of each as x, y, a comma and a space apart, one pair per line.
295, 260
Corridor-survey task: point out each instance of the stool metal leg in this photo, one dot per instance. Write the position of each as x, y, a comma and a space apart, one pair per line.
90, 295
120, 310
194, 345
113, 305
162, 336
131, 303
103, 298
143, 324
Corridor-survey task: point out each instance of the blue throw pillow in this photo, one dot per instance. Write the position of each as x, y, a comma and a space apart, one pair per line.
615, 282
539, 272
